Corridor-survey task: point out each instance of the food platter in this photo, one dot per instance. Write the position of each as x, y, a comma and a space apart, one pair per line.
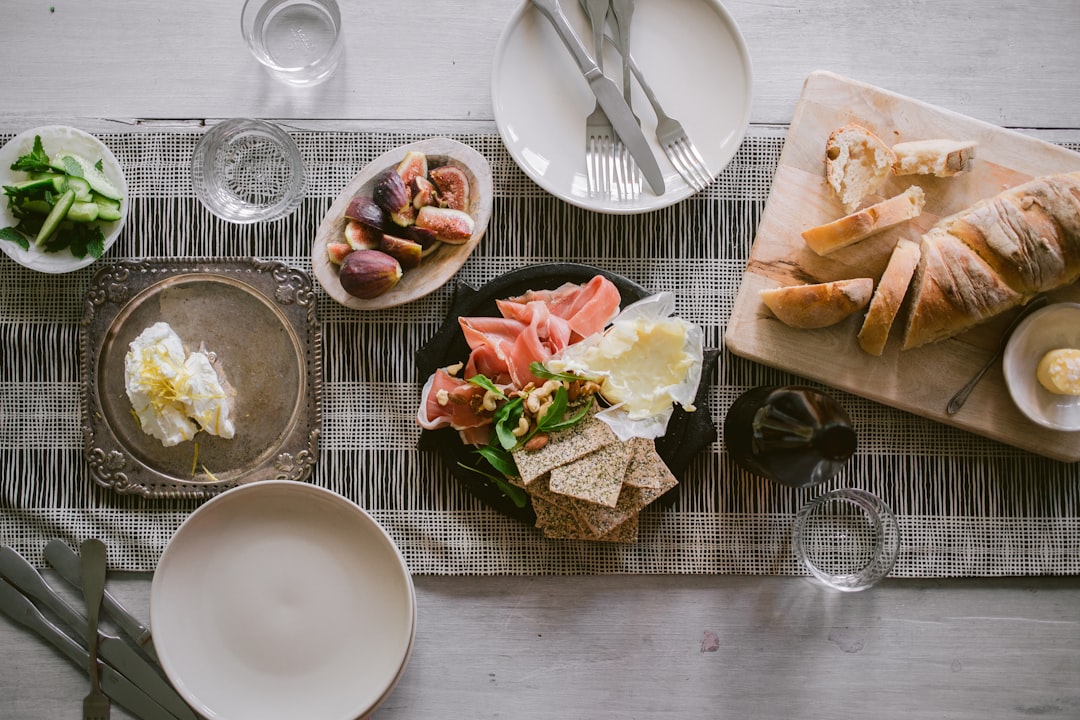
920, 380
687, 432
434, 270
258, 319
283, 600
541, 99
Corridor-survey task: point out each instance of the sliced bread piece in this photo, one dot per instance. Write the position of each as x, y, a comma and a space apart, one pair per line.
943, 158
857, 162
861, 224
888, 296
818, 305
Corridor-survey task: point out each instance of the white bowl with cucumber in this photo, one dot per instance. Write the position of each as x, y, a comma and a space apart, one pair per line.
65, 199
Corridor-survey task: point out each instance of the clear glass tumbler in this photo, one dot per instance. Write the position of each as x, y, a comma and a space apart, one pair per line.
848, 539
298, 41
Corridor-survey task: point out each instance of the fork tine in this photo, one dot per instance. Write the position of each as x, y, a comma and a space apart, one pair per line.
685, 165
696, 161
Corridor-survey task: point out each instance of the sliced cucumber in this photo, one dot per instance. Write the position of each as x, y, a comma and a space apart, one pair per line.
83, 193
55, 217
83, 212
43, 183
39, 207
108, 209
79, 166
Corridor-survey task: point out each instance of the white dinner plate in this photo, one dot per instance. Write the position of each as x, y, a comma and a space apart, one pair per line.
280, 599
690, 52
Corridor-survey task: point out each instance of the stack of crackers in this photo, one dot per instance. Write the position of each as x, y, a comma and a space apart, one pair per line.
586, 484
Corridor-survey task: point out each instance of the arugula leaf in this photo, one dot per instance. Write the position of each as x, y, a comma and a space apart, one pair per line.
484, 382
538, 369
506, 419
516, 494
35, 161
555, 411
12, 235
570, 421
499, 459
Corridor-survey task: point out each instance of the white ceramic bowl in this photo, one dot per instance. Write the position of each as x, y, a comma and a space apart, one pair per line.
280, 600
55, 138
1055, 326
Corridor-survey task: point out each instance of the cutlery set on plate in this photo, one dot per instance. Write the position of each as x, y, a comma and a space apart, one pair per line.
124, 672
617, 153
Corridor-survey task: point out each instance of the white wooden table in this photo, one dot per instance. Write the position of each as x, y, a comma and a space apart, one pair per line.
615, 646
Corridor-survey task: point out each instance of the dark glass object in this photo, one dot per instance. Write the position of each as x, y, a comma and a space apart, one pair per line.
793, 435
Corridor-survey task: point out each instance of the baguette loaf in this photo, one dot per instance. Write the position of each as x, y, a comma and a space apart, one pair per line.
818, 305
859, 225
888, 296
857, 162
943, 158
995, 255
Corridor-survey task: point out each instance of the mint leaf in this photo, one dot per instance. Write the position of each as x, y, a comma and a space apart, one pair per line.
72, 167
35, 161
99, 166
12, 235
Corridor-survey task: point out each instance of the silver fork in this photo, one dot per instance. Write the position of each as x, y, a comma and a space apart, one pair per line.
623, 10
96, 703
600, 140
673, 139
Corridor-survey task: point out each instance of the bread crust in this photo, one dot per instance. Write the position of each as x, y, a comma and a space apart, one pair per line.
818, 305
994, 255
859, 225
889, 296
939, 157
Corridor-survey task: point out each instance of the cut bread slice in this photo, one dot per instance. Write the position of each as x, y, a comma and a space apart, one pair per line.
943, 158
857, 162
859, 225
818, 305
888, 296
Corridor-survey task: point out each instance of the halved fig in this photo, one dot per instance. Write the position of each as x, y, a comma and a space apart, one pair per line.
360, 236
406, 252
363, 209
368, 273
424, 236
450, 226
389, 193
452, 185
414, 165
428, 249
337, 251
423, 193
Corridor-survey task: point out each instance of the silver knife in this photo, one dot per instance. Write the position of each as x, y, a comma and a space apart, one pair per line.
66, 562
24, 577
16, 606
607, 94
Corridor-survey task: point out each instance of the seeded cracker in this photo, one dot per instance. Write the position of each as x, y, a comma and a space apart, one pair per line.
647, 469
563, 447
600, 519
557, 522
624, 533
596, 477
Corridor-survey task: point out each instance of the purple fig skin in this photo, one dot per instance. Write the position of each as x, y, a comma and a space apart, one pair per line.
363, 209
406, 252
424, 236
390, 193
368, 273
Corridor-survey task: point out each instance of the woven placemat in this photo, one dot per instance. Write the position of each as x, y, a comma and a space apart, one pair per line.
967, 506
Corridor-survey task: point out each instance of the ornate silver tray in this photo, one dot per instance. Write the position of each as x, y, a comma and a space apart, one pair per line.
259, 319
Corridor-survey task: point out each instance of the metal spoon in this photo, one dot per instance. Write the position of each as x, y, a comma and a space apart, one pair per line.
961, 397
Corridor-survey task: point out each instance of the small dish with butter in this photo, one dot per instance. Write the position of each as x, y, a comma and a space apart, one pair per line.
1042, 367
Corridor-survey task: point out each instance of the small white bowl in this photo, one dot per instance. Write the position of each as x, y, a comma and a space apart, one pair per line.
1055, 326
55, 138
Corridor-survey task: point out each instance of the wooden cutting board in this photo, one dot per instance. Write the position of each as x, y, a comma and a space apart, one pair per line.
921, 380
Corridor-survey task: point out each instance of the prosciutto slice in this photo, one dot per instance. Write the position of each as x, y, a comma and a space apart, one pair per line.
531, 328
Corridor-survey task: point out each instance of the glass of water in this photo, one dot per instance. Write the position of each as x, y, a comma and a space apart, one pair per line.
298, 41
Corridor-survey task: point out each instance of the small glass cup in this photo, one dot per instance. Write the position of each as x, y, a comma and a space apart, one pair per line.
848, 539
298, 41
247, 171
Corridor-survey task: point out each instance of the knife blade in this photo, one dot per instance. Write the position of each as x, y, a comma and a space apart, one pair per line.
24, 577
66, 563
607, 94
16, 606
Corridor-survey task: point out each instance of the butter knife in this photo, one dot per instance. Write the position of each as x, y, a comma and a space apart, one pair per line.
607, 94
66, 563
16, 606
24, 577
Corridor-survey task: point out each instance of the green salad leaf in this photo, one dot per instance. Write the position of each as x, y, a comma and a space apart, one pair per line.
35, 161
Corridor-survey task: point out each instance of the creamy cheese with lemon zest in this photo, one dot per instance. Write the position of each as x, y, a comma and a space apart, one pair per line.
173, 394
1059, 371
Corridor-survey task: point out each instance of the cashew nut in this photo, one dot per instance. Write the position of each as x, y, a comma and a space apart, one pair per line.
442, 397
488, 403
522, 427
